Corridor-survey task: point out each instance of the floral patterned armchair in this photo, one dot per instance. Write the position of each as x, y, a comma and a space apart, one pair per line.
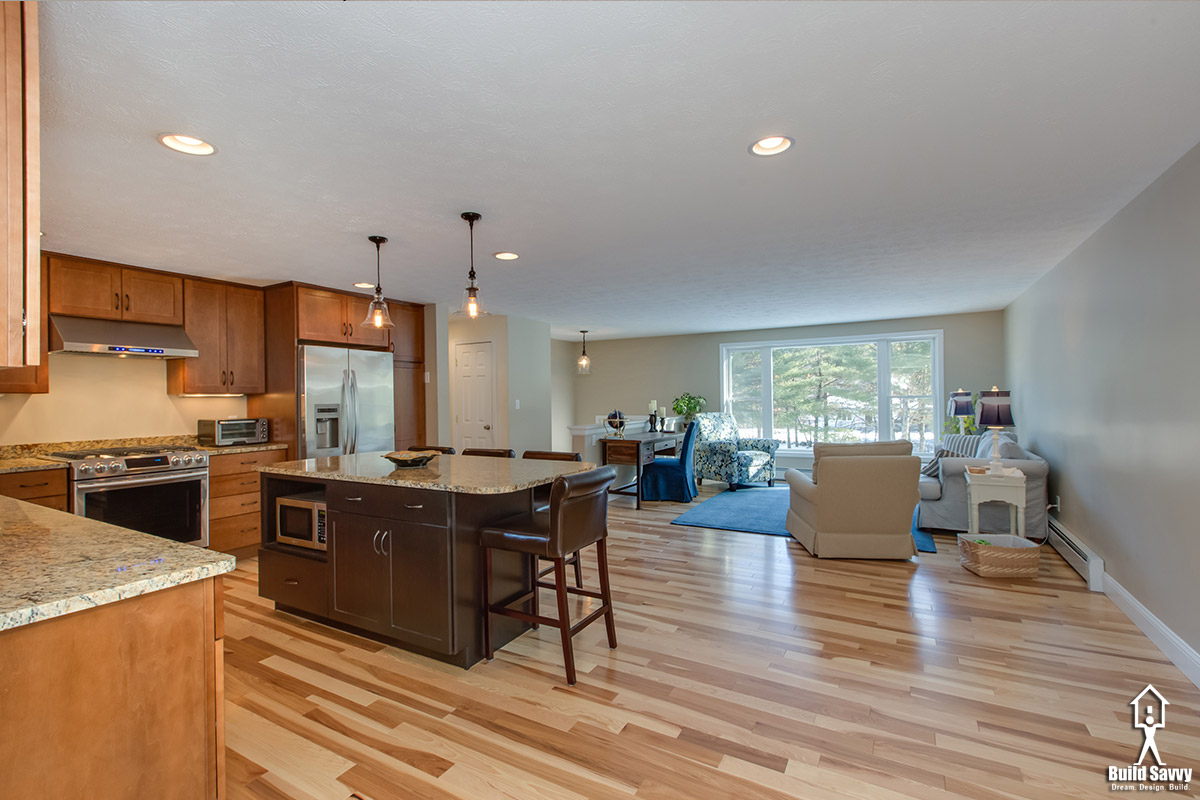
724, 456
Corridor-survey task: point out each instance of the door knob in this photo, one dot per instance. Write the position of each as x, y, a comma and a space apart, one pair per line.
487, 427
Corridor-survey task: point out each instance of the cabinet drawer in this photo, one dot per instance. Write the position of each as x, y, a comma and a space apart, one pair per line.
234, 463
225, 485
230, 533
38, 483
387, 502
58, 502
294, 581
233, 505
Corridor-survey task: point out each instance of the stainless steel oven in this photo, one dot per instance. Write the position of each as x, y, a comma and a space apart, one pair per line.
163, 493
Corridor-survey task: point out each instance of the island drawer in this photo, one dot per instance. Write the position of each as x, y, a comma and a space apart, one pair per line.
36, 483
230, 464
295, 581
388, 502
225, 485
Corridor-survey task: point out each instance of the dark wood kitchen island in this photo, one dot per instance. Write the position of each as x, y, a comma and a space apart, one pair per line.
401, 563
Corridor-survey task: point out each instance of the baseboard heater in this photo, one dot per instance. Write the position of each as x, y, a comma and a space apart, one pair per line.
1081, 557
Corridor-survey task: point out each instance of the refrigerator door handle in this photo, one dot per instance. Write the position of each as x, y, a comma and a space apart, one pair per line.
354, 409
344, 416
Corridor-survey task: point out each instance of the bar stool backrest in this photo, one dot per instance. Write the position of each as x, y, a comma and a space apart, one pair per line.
483, 451
552, 455
579, 510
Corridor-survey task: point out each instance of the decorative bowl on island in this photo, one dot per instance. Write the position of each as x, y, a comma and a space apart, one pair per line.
411, 458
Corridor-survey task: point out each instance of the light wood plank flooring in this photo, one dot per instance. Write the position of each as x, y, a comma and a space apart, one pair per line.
746, 669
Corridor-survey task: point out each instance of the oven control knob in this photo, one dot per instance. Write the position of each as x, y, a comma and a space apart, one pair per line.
175, 461
85, 469
116, 466
200, 459
187, 460
101, 468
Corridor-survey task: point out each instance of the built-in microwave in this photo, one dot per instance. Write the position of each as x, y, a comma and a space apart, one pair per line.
300, 520
223, 432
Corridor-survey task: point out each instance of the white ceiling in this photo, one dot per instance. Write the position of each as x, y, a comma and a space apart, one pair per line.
947, 154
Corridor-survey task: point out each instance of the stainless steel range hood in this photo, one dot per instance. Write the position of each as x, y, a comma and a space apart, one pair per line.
110, 337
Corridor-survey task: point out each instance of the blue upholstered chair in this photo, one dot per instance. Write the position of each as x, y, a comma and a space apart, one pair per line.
672, 478
722, 455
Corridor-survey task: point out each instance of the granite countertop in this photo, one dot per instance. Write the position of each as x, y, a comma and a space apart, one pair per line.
56, 563
462, 474
234, 449
8, 465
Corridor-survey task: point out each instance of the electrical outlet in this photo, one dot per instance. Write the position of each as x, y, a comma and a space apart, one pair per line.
518, 402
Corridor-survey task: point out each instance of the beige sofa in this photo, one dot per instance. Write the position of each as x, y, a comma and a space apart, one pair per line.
859, 502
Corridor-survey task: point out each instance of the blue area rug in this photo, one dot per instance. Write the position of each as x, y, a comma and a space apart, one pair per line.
923, 539
753, 510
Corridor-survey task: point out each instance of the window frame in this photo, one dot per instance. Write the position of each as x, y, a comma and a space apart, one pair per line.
883, 375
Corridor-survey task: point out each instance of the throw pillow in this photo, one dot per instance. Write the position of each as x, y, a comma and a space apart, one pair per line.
1007, 445
932, 468
1010, 449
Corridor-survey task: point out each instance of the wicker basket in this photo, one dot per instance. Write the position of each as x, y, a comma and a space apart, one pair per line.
1007, 556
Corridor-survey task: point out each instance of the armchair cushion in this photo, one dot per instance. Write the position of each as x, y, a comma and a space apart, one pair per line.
825, 449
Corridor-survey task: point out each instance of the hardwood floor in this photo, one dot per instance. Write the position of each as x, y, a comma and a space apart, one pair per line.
745, 669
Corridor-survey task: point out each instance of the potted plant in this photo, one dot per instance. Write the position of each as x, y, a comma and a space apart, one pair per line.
688, 405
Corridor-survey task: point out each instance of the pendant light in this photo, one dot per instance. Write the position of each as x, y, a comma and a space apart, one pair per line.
471, 305
377, 312
585, 363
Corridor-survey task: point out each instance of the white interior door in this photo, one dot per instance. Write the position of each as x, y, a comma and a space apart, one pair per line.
474, 396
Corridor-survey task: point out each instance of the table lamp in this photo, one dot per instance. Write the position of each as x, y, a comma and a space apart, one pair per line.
994, 410
960, 406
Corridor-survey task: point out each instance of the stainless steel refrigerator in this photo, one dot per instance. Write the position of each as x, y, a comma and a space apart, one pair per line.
346, 401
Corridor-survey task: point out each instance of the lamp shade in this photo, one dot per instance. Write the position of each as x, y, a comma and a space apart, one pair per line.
960, 404
994, 409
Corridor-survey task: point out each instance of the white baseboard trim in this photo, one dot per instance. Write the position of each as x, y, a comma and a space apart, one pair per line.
1176, 649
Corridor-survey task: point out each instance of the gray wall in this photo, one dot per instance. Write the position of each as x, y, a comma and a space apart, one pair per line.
529, 384
629, 373
1103, 366
562, 392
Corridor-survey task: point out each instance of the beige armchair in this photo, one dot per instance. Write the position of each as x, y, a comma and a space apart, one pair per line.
861, 505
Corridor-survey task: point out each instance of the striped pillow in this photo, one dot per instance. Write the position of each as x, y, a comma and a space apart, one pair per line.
961, 444
931, 469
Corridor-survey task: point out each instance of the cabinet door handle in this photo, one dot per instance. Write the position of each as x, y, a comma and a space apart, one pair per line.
392, 347
291, 581
34, 485
231, 377
117, 301
126, 302
352, 330
343, 329
414, 507
375, 544
385, 543
354, 499
222, 377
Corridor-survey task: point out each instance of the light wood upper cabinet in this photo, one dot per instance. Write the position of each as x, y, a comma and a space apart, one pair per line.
82, 288
408, 337
32, 379
226, 325
20, 176
321, 315
244, 335
151, 297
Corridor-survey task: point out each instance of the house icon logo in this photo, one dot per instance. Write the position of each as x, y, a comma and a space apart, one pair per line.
1149, 715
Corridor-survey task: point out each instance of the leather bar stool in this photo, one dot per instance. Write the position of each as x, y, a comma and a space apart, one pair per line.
481, 451
541, 502
421, 448
578, 517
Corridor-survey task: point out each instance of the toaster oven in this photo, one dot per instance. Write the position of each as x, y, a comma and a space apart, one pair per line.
224, 432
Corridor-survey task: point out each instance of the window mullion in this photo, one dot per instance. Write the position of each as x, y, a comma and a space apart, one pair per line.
768, 391
883, 362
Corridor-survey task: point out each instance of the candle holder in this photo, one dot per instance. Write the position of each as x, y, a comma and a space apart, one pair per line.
653, 421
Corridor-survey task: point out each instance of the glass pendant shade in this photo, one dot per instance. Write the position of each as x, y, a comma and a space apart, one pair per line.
583, 362
471, 307
377, 312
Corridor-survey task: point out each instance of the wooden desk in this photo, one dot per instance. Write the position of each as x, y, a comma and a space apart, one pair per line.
637, 450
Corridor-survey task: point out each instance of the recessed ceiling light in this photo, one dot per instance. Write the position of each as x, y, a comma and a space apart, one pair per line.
770, 145
187, 144
506, 256
364, 285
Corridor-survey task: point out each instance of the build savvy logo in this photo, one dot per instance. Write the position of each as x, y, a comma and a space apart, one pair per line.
1149, 717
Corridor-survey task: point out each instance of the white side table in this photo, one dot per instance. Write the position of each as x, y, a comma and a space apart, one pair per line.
1008, 487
